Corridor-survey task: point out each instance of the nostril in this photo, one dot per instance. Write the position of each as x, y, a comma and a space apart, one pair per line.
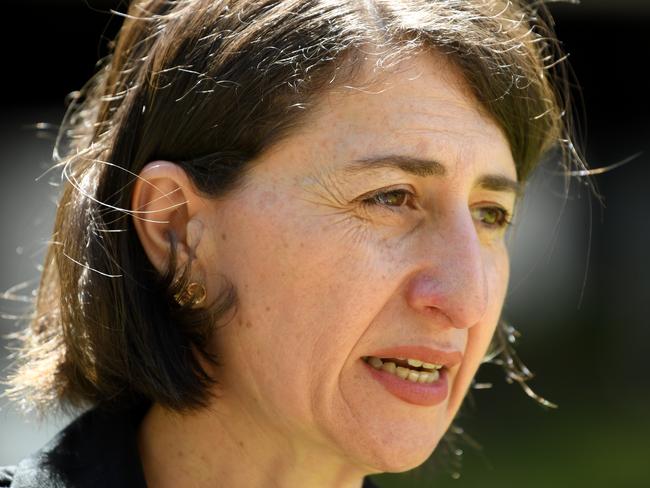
436, 312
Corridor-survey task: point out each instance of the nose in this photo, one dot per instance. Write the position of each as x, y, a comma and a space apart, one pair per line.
452, 277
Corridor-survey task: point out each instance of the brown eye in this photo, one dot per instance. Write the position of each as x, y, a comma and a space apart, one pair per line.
389, 199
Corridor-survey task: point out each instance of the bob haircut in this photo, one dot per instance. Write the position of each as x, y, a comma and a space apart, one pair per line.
210, 85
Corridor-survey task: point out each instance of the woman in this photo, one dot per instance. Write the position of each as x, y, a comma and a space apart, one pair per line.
279, 255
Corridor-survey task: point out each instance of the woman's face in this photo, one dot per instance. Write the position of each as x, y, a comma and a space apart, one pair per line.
329, 270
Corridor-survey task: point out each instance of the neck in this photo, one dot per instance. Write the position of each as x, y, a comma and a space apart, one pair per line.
224, 447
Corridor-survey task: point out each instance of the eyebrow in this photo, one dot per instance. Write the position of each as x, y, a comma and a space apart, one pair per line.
427, 167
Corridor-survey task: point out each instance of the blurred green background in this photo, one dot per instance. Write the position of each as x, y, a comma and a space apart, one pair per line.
580, 288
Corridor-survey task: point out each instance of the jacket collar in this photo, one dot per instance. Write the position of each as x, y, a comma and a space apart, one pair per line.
98, 449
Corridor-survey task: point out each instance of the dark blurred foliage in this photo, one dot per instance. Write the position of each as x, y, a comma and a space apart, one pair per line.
585, 321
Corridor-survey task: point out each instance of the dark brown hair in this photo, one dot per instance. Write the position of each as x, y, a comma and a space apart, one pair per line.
210, 85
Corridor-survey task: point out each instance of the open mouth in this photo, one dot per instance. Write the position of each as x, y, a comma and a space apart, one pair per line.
407, 369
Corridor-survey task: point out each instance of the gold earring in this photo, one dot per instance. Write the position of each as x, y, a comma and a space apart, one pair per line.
194, 294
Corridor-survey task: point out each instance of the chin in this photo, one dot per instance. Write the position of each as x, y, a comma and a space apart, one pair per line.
406, 452
403, 460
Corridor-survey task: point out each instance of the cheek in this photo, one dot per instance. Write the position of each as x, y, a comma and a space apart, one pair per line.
303, 289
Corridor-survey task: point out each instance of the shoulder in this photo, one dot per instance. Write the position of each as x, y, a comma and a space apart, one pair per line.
98, 449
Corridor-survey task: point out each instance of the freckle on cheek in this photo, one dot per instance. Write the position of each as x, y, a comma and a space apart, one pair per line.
223, 236
248, 324
268, 309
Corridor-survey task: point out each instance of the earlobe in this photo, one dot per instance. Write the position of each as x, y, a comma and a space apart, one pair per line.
163, 206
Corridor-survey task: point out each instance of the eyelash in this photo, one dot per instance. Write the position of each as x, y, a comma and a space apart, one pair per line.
504, 218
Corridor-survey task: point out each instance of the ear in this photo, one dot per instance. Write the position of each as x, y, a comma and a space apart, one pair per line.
165, 206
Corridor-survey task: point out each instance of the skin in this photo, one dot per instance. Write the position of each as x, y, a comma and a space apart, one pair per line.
324, 280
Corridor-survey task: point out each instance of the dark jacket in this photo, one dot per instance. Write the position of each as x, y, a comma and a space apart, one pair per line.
97, 450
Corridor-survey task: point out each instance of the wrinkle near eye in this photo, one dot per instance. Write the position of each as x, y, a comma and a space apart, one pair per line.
323, 189
325, 194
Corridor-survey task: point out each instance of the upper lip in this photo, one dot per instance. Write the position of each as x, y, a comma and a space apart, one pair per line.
448, 358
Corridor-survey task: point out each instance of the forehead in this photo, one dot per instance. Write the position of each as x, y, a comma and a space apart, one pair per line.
422, 108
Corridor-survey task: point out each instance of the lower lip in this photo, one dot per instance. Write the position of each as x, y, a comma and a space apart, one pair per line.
426, 394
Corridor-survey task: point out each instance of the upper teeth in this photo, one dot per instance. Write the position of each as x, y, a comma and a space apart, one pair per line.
417, 363
412, 362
